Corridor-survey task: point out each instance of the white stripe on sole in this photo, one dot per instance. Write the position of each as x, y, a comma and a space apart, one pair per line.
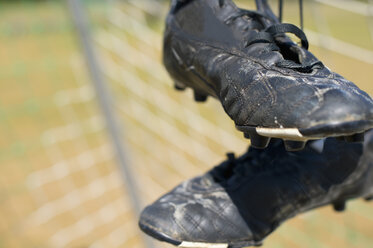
283, 133
202, 245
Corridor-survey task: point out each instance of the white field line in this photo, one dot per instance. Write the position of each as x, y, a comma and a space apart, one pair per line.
354, 6
151, 166
168, 132
132, 55
61, 167
163, 172
69, 113
72, 130
117, 237
173, 109
163, 154
74, 199
106, 214
340, 46
81, 94
131, 24
340, 229
57, 158
159, 169
152, 158
98, 123
150, 7
66, 167
299, 236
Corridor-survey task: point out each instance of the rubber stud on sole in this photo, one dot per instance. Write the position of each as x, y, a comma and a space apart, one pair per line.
369, 198
292, 146
258, 141
179, 86
339, 206
199, 97
358, 137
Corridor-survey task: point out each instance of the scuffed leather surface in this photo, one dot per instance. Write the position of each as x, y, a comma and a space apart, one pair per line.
197, 210
207, 53
245, 199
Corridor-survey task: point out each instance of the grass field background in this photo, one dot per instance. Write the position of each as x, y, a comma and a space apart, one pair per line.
59, 183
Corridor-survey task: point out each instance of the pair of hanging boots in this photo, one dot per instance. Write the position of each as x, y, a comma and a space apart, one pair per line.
271, 88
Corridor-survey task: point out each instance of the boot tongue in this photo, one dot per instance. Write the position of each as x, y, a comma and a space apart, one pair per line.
206, 19
229, 14
293, 52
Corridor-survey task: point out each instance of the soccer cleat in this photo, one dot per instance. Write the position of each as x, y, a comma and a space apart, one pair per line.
339, 206
294, 145
266, 83
359, 137
243, 200
257, 141
199, 97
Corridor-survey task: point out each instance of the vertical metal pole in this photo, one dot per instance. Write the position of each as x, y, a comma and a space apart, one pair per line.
102, 92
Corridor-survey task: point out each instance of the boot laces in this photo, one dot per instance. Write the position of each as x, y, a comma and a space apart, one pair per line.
280, 12
269, 35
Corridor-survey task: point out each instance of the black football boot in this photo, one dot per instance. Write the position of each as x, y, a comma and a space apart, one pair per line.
243, 200
267, 84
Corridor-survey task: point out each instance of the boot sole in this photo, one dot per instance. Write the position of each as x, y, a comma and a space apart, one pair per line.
313, 133
295, 138
153, 232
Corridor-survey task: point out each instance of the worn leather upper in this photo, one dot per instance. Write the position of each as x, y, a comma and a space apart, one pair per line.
245, 199
205, 47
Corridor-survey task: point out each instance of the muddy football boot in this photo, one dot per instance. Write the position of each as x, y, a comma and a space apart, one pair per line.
267, 84
243, 200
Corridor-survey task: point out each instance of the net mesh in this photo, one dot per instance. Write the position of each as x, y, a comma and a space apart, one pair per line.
60, 184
